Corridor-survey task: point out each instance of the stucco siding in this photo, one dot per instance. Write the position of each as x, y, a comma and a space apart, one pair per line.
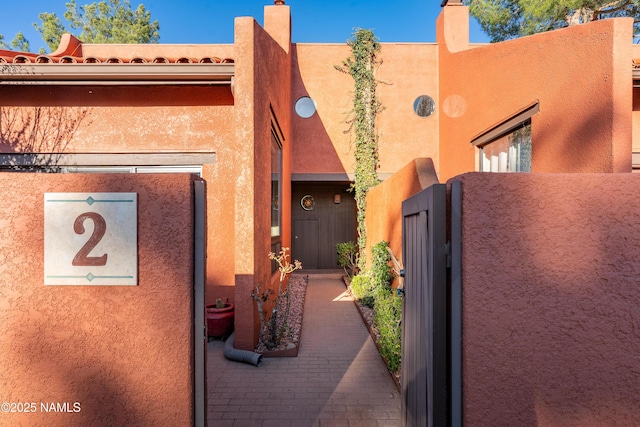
122, 353
550, 295
577, 75
322, 144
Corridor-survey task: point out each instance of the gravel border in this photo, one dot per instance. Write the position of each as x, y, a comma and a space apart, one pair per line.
297, 292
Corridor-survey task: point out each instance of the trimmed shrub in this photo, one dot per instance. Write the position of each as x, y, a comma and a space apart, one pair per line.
387, 319
374, 290
381, 272
361, 289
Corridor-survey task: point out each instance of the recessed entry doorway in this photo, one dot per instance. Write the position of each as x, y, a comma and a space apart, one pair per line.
322, 215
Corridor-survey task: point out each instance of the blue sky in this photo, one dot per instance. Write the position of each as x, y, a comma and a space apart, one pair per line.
211, 21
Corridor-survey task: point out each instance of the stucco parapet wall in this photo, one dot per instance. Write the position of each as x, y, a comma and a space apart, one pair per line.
384, 203
99, 345
550, 291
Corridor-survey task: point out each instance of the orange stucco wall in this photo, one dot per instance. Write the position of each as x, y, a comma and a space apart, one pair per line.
134, 119
550, 295
584, 125
262, 82
320, 144
145, 119
384, 204
122, 353
580, 76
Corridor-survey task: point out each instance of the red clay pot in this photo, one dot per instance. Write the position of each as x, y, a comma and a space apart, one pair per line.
220, 320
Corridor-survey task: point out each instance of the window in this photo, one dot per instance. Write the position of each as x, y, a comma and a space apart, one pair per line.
195, 169
276, 190
509, 153
276, 184
507, 147
424, 106
166, 162
305, 107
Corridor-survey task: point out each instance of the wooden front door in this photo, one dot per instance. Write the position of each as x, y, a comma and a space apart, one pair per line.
322, 215
305, 238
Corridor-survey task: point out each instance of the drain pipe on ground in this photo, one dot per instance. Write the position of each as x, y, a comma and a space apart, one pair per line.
232, 353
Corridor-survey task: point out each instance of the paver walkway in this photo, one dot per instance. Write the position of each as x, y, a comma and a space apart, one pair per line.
338, 378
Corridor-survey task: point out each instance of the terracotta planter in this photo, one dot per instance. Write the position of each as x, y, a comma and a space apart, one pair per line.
220, 320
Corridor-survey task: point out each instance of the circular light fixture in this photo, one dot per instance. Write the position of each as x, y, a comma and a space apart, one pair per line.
305, 107
307, 202
424, 106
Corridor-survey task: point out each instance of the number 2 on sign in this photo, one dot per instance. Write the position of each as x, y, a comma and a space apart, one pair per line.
82, 258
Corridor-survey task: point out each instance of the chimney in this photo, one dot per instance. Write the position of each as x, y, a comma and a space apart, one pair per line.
452, 26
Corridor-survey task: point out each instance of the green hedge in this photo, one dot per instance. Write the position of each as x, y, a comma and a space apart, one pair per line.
387, 319
381, 272
373, 289
361, 289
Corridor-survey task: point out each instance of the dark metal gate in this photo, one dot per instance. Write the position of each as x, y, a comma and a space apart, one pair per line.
429, 395
199, 317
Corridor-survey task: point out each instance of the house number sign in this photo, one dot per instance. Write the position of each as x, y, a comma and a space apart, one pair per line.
90, 239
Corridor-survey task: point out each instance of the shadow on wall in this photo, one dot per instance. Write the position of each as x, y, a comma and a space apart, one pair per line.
585, 145
44, 132
114, 96
313, 151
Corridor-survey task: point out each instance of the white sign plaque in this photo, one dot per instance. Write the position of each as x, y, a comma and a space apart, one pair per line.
90, 239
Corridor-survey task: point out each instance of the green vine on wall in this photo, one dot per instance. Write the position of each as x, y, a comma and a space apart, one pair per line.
361, 65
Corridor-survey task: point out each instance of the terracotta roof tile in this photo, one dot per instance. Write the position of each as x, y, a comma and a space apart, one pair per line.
10, 57
73, 51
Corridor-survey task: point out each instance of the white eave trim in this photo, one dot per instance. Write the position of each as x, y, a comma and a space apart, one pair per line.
178, 158
116, 74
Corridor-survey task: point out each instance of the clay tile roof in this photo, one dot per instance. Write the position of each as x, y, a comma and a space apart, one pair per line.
21, 59
68, 60
70, 51
10, 57
44, 59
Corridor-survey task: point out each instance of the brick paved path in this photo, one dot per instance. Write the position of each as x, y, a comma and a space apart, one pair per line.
338, 378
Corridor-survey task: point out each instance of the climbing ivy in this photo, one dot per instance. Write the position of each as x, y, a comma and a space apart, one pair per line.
361, 65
